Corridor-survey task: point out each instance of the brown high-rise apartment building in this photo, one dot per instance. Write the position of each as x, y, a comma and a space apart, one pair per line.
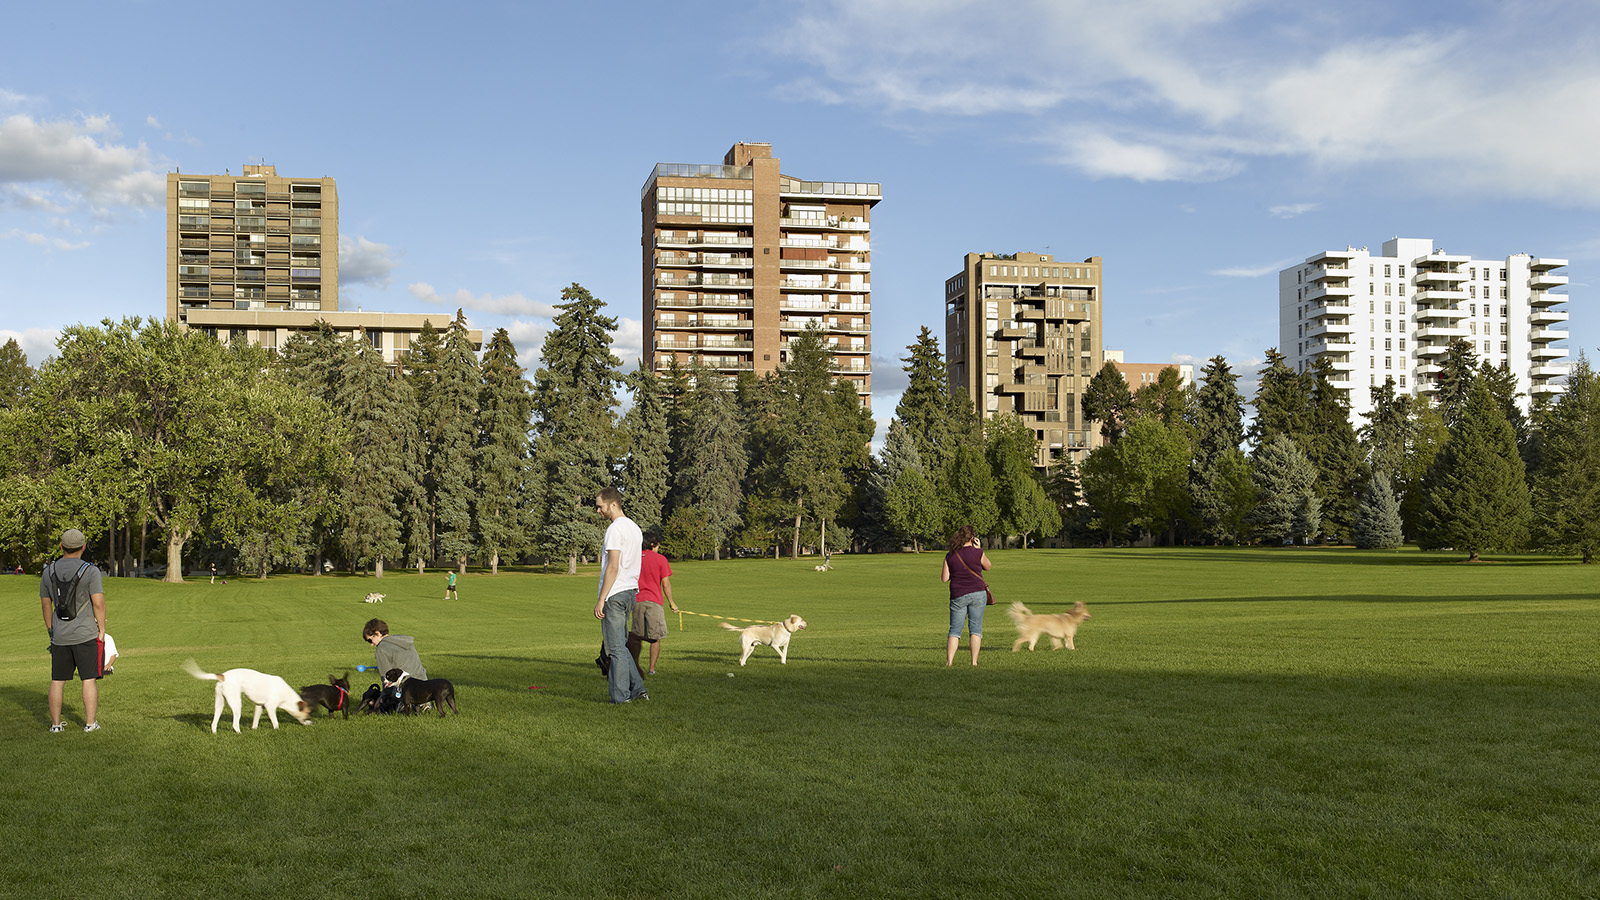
739, 258
1022, 335
255, 257
251, 241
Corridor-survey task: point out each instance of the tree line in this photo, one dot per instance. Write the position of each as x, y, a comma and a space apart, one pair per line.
165, 445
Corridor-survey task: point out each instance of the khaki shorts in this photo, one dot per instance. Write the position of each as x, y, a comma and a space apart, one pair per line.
649, 620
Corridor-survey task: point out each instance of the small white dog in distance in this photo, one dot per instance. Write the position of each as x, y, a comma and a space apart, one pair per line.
775, 636
373, 597
267, 692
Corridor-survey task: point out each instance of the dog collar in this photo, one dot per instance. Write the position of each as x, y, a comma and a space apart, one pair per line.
344, 697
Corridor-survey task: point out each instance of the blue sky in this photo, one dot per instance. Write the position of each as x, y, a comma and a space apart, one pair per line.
489, 154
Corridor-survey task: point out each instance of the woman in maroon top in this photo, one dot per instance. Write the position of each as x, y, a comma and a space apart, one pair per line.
968, 593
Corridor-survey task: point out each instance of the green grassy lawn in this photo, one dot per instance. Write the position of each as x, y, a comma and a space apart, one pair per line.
1234, 723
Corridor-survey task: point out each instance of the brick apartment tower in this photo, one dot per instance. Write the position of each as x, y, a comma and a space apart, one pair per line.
255, 257
739, 258
1022, 335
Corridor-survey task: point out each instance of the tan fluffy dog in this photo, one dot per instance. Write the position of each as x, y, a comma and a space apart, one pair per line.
1059, 627
775, 636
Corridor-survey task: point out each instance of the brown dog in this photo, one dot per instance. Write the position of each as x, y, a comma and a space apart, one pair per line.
1059, 627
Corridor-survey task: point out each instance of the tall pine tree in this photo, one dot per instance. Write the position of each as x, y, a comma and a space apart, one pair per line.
1476, 491
644, 469
500, 460
575, 436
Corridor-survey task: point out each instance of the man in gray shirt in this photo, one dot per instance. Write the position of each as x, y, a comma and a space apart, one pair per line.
76, 643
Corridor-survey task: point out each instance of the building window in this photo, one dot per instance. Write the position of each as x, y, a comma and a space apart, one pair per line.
1402, 381
1386, 344
1402, 291
376, 339
1388, 362
1388, 289
1402, 343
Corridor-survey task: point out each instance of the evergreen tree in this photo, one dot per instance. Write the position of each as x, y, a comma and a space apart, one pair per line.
924, 407
16, 376
1502, 385
676, 385
575, 434
1287, 506
1106, 400
1332, 446
1389, 430
1282, 399
1217, 415
1476, 492
715, 462
1566, 489
644, 470
370, 524
1428, 436
454, 411
1455, 382
911, 502
687, 535
1377, 525
500, 460
1062, 488
424, 364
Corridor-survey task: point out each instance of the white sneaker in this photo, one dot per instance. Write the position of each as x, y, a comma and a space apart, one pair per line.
92, 726
57, 728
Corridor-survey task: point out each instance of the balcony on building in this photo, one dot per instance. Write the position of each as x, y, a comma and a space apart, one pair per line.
845, 191
1444, 332
1441, 295
1333, 271
1329, 308
1546, 352
1333, 257
1439, 313
696, 171
1329, 327
1546, 316
1545, 298
1544, 280
1329, 290
1544, 264
1545, 335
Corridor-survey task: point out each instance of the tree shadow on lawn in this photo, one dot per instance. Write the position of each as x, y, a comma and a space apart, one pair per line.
35, 702
1338, 556
1334, 598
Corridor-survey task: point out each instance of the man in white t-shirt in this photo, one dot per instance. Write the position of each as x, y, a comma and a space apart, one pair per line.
619, 582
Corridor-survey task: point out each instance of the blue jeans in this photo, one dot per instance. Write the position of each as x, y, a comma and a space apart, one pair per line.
624, 680
968, 608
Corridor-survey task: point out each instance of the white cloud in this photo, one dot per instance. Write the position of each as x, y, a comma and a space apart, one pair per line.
78, 161
38, 343
506, 304
152, 121
1290, 210
1195, 90
1254, 271
41, 240
365, 262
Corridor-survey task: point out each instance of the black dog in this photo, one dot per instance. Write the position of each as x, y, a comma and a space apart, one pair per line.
379, 699
333, 696
414, 692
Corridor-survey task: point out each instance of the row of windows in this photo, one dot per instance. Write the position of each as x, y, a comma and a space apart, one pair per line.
708, 195
734, 213
1041, 271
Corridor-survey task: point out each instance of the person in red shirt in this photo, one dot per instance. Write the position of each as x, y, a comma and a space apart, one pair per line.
649, 623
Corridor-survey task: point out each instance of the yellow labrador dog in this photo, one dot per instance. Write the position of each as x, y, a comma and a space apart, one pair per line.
267, 692
1058, 627
775, 636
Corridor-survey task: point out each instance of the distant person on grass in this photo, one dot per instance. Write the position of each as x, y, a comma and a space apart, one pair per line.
393, 651
450, 586
76, 643
649, 619
619, 584
968, 593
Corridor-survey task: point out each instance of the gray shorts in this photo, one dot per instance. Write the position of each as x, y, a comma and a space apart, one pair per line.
649, 620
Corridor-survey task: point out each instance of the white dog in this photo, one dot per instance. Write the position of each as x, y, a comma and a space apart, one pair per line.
267, 692
373, 597
775, 636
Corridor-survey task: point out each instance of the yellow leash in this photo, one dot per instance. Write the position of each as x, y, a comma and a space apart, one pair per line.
682, 611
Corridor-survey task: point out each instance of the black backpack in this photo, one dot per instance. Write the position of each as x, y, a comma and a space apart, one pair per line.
62, 596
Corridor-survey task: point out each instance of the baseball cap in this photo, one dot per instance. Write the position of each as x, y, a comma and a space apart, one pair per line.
71, 539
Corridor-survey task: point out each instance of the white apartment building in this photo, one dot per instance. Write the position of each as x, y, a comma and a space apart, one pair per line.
1394, 315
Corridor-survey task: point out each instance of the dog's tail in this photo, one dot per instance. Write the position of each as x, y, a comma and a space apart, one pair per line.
193, 668
1017, 611
730, 627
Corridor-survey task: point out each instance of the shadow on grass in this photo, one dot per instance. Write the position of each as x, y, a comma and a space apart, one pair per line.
1329, 598
1341, 556
34, 702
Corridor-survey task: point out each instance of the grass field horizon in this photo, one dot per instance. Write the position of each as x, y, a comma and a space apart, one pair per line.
1285, 722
